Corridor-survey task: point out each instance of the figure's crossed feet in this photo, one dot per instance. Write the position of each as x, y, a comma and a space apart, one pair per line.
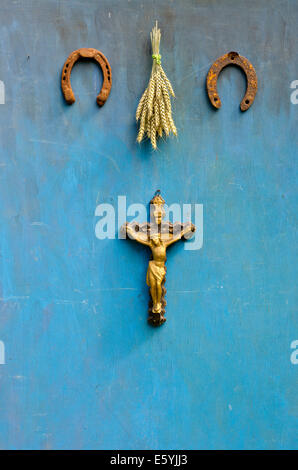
157, 308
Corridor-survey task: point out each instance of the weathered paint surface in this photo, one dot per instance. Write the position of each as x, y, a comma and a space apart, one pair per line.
83, 369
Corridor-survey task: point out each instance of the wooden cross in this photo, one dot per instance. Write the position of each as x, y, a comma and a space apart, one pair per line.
157, 235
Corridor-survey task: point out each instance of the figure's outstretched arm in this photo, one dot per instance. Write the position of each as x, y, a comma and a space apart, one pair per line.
189, 228
134, 235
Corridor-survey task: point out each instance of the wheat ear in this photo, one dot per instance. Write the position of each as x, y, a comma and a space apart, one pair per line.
154, 110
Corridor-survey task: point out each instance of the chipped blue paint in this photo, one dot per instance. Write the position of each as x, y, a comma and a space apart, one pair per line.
2, 93
84, 370
2, 353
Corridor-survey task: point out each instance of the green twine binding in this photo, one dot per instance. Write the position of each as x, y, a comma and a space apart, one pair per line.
157, 58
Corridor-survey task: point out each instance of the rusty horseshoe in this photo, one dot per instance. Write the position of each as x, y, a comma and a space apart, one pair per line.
235, 59
92, 54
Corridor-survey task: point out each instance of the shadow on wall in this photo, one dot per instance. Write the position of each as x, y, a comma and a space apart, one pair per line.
2, 93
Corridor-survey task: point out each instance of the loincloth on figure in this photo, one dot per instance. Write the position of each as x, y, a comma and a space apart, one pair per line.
157, 270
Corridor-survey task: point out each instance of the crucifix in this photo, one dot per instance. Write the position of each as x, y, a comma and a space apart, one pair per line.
157, 235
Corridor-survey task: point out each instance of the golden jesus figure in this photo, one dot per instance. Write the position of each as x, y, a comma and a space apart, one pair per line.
158, 236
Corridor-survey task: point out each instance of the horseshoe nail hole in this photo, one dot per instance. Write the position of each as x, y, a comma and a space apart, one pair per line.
215, 99
107, 67
66, 65
64, 78
247, 101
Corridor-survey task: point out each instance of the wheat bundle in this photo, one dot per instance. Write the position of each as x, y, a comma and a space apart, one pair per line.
154, 110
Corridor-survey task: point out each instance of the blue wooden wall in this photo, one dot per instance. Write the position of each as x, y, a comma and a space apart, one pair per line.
82, 367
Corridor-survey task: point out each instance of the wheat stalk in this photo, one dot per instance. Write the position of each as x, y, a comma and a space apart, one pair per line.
154, 110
